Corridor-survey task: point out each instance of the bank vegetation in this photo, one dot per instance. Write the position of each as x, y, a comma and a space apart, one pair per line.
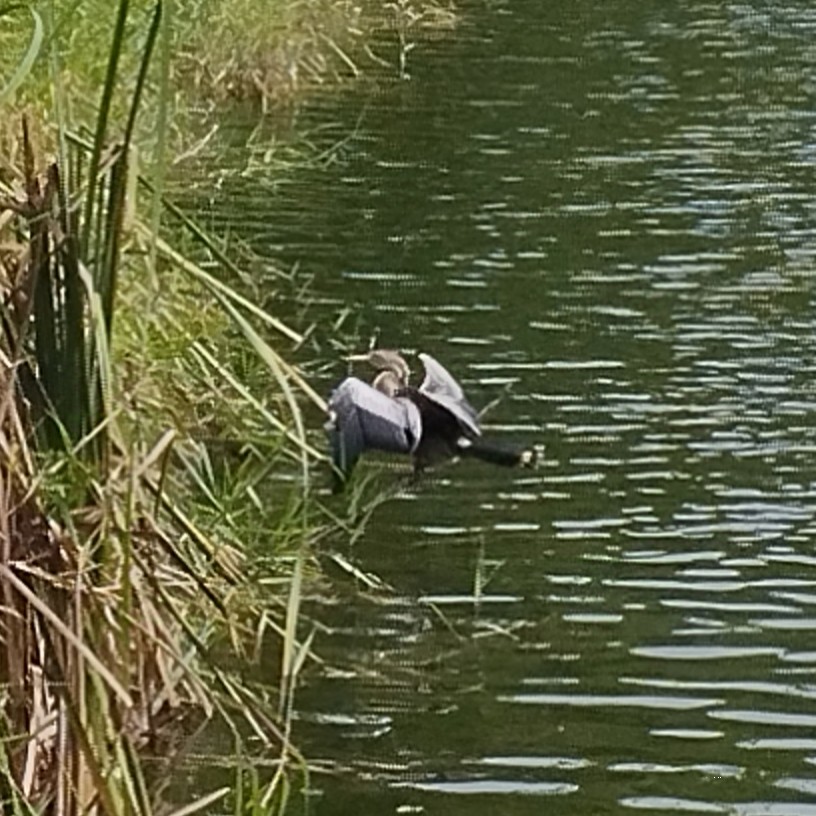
156, 509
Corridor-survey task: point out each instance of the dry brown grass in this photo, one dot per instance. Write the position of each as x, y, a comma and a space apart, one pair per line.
111, 593
249, 51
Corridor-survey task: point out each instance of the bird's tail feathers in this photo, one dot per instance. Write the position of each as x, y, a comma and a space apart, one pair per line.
497, 454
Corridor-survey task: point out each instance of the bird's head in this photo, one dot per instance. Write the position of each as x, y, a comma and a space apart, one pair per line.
385, 360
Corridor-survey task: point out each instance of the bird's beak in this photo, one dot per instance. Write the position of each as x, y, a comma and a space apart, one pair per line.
357, 358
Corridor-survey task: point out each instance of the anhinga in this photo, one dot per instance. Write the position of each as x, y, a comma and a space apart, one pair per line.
432, 423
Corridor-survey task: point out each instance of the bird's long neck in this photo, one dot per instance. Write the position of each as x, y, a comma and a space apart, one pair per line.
388, 382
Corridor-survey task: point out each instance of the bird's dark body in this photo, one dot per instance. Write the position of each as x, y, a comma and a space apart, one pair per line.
440, 431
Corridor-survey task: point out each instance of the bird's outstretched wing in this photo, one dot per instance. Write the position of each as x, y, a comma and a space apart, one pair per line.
362, 418
440, 386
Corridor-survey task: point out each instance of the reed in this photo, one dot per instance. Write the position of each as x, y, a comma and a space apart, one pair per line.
267, 51
303, 44
119, 593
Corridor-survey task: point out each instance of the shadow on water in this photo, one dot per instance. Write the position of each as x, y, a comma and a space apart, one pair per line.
609, 208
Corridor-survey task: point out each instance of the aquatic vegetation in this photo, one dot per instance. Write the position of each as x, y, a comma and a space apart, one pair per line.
128, 605
271, 55
138, 465
270, 52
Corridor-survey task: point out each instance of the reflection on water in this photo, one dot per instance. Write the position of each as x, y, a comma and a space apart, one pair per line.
605, 212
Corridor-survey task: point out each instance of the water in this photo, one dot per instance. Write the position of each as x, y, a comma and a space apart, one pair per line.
606, 208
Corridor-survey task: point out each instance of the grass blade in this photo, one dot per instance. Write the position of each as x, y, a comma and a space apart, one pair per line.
111, 80
27, 62
45, 610
200, 804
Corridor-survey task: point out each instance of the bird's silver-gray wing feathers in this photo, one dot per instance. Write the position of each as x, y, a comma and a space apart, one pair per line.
440, 386
362, 418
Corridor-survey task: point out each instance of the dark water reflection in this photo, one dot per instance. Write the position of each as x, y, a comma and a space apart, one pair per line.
608, 207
